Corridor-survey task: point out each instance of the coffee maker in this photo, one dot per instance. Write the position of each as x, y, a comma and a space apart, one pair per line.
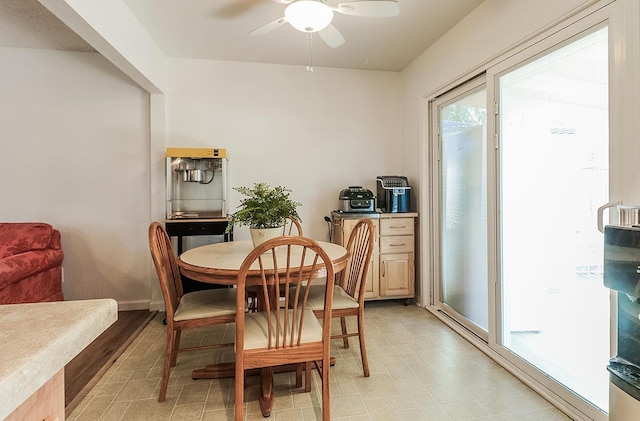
393, 193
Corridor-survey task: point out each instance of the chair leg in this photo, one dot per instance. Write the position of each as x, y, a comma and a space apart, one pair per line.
326, 404
363, 349
298, 375
176, 346
168, 357
343, 325
307, 376
239, 392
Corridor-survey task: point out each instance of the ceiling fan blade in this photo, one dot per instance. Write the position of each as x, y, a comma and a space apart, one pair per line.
331, 36
370, 8
266, 28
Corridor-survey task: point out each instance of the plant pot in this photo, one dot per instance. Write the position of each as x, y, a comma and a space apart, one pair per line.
260, 235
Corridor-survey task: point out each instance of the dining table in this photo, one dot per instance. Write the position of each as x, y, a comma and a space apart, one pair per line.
219, 264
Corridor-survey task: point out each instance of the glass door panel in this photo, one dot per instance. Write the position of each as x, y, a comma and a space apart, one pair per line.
554, 173
463, 208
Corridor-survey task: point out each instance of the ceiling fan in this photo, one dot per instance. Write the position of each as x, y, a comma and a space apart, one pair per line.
311, 16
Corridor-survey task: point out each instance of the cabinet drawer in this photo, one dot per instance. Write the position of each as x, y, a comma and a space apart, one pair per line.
396, 244
396, 226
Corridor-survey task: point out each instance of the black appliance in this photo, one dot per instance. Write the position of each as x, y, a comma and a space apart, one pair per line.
356, 199
393, 193
622, 274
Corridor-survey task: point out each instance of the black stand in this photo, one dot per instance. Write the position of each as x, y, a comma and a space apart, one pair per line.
186, 228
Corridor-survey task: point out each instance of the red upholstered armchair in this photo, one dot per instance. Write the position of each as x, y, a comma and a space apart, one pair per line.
30, 263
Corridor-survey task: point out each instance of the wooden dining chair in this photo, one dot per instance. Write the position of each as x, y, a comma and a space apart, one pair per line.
291, 227
185, 311
283, 335
348, 295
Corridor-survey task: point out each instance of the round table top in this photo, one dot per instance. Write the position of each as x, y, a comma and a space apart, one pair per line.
221, 261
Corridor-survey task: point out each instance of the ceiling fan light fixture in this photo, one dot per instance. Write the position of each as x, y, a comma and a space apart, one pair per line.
308, 15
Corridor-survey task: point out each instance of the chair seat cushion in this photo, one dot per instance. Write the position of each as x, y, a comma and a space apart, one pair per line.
255, 328
340, 298
208, 303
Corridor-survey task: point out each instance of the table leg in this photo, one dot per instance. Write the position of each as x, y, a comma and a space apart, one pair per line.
215, 371
221, 370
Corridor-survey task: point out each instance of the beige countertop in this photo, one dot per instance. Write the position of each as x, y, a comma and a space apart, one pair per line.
38, 340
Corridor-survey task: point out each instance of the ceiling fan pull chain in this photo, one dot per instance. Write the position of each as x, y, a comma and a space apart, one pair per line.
309, 52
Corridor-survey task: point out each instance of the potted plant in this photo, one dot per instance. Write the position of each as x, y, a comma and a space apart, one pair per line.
265, 210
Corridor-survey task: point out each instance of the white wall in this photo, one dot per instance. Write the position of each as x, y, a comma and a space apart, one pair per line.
77, 140
491, 29
78, 152
74, 152
314, 133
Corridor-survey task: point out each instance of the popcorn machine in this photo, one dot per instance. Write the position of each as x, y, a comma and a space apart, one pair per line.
196, 183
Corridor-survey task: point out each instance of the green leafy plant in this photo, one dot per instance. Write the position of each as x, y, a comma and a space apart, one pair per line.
264, 207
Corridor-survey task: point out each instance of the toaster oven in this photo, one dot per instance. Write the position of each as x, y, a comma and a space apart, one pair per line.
356, 199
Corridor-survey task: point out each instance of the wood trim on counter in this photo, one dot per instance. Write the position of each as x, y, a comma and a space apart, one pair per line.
47, 403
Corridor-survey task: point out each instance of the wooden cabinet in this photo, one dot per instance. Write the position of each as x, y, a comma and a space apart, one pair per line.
397, 269
392, 269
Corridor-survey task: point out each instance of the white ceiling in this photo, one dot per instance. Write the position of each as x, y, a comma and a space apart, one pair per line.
217, 29
27, 24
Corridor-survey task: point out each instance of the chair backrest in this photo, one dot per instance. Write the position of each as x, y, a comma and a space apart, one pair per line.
292, 227
276, 264
166, 267
360, 247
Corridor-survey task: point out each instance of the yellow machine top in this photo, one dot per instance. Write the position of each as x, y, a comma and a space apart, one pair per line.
196, 153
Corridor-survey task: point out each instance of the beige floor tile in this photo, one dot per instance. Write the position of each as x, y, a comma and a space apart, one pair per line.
148, 410
187, 412
454, 392
137, 390
380, 409
377, 386
218, 415
420, 370
465, 410
195, 393
115, 411
347, 406
411, 414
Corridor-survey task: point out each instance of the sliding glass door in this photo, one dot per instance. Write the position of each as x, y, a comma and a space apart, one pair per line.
462, 122
521, 165
554, 173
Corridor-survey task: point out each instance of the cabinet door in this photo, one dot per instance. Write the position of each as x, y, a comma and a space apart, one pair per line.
396, 275
372, 289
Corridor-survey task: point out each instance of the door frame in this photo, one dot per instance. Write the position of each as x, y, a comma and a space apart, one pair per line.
436, 143
623, 19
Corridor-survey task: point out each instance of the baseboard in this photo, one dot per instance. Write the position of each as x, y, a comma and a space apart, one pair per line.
134, 305
156, 306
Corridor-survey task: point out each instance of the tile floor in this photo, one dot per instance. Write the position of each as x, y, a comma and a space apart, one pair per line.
420, 370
